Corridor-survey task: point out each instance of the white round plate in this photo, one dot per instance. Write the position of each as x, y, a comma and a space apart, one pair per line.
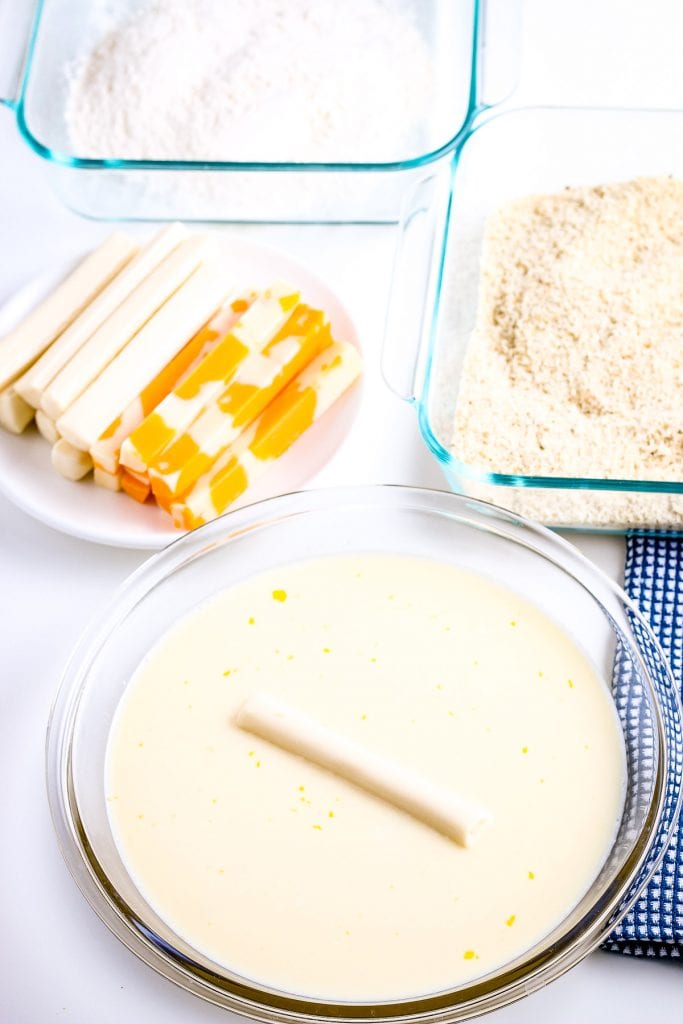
92, 513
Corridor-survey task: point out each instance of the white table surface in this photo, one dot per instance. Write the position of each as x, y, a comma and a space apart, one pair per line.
57, 961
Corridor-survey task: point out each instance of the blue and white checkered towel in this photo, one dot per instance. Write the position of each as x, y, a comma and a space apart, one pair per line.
654, 581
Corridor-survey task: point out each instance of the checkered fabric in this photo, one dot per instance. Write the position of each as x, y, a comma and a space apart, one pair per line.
654, 581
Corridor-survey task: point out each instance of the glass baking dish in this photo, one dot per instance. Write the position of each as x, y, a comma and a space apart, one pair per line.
524, 558
506, 155
61, 32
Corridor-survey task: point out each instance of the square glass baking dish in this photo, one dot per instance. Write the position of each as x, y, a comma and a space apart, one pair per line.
509, 154
52, 35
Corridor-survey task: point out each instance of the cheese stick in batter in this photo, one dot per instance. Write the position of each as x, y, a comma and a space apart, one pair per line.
436, 806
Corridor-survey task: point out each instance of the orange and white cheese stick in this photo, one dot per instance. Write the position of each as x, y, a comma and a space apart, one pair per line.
15, 413
301, 403
32, 385
106, 450
256, 382
142, 478
114, 334
144, 357
134, 487
178, 410
22, 346
110, 481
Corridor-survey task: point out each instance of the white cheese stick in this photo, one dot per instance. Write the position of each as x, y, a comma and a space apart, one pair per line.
114, 334
144, 356
22, 346
435, 805
15, 413
32, 385
69, 461
46, 427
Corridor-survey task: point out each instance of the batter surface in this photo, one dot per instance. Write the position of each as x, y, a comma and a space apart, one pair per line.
286, 874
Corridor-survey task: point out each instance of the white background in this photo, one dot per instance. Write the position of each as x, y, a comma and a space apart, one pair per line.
57, 961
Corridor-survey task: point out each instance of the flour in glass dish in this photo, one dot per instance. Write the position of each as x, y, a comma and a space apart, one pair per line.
272, 80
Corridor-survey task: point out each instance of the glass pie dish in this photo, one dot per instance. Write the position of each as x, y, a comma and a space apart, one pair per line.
428, 524
506, 155
344, 188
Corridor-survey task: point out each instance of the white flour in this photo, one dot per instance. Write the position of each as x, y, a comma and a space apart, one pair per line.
305, 80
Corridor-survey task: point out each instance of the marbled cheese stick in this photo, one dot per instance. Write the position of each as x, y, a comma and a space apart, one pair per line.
31, 386
15, 413
144, 356
135, 488
435, 805
256, 382
46, 427
110, 481
106, 450
114, 334
22, 346
69, 461
142, 478
178, 410
301, 403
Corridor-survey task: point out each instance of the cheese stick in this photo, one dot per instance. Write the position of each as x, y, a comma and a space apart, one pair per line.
110, 481
301, 403
69, 461
255, 383
31, 386
47, 427
113, 335
144, 356
15, 413
22, 346
435, 805
142, 478
106, 450
134, 487
254, 330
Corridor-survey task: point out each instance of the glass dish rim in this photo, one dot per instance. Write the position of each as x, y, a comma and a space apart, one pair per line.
248, 999
473, 106
481, 120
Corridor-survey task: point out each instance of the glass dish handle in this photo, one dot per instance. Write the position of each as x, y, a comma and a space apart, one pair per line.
17, 26
499, 51
414, 282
